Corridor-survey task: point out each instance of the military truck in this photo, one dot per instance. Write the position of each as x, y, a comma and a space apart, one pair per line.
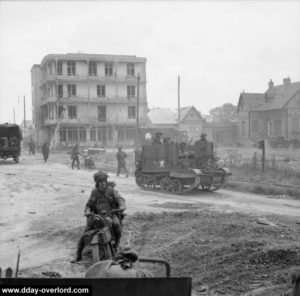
10, 141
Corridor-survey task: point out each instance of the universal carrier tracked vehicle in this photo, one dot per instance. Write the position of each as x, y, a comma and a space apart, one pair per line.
179, 168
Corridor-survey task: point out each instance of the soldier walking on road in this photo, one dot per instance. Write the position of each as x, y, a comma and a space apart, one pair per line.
75, 156
121, 158
45, 150
31, 146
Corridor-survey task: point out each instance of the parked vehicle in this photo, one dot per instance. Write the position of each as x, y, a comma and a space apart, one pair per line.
10, 141
179, 168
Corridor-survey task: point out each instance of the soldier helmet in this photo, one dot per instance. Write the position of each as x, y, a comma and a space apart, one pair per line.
100, 177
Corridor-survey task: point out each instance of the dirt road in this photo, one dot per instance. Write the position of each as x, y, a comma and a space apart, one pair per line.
42, 211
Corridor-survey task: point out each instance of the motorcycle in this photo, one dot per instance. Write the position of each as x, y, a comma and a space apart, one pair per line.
89, 163
101, 237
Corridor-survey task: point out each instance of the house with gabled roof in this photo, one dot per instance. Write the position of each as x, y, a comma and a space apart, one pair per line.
192, 123
272, 114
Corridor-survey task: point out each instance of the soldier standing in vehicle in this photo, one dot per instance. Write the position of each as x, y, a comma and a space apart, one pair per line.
157, 138
75, 156
45, 150
103, 199
121, 158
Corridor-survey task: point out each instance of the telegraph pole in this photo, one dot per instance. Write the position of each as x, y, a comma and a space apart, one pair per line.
24, 113
137, 110
178, 101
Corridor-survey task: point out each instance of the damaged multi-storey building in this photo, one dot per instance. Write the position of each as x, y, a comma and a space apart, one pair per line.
90, 99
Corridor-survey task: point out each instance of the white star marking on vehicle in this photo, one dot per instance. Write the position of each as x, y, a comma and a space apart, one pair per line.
161, 163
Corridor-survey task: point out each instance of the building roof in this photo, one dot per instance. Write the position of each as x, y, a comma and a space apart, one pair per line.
252, 100
184, 111
274, 98
88, 56
162, 116
280, 95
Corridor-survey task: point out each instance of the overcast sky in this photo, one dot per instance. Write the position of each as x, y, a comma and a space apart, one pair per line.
218, 48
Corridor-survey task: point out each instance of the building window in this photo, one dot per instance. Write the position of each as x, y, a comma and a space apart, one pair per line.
102, 135
108, 69
130, 69
243, 128
100, 90
72, 112
93, 134
93, 69
277, 127
82, 134
60, 111
59, 68
71, 68
254, 125
130, 91
62, 135
60, 90
72, 134
102, 113
71, 90
295, 126
131, 112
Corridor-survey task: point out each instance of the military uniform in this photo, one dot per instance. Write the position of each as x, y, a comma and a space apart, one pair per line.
101, 203
45, 150
75, 156
121, 158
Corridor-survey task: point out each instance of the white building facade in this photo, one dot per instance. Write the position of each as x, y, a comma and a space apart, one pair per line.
92, 98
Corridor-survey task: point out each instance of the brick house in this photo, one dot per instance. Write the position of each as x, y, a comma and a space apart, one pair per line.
272, 114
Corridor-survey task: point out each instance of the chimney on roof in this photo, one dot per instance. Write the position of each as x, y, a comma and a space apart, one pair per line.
286, 81
271, 84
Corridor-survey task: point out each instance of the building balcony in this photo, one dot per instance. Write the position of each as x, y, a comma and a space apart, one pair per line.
95, 78
47, 100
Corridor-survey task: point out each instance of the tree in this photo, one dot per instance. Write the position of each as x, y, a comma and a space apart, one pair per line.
226, 112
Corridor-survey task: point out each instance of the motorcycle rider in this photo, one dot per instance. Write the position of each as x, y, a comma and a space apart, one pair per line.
103, 199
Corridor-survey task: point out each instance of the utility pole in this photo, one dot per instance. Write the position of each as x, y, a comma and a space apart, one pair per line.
137, 110
14, 115
24, 112
178, 102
